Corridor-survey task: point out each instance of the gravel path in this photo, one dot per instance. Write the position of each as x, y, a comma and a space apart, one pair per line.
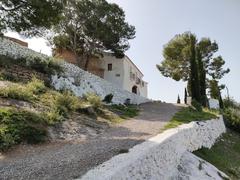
69, 161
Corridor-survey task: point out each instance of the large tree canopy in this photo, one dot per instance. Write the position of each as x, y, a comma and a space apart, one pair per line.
187, 59
176, 53
29, 16
90, 27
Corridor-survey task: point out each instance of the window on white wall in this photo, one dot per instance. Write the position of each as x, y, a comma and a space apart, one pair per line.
109, 67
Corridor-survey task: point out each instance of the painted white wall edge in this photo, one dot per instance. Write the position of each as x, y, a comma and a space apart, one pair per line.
158, 157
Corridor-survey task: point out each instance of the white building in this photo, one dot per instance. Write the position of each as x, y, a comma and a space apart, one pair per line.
125, 74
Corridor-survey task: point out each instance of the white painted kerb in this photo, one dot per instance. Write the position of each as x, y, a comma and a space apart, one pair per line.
159, 157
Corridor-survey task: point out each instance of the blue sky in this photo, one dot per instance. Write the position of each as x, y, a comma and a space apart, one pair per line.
157, 21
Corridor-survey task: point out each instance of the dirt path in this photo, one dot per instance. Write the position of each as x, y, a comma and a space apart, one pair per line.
69, 161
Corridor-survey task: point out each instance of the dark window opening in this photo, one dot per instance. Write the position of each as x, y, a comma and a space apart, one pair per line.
134, 89
109, 67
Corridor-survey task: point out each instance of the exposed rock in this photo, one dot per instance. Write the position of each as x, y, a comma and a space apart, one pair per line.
192, 167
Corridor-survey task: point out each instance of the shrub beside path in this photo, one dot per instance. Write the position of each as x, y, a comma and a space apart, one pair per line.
72, 160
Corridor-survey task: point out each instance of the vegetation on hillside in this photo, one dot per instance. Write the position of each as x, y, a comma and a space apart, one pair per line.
47, 107
46, 65
225, 154
231, 114
189, 114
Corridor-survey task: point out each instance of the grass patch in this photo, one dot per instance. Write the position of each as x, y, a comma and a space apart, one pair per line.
187, 115
225, 154
124, 111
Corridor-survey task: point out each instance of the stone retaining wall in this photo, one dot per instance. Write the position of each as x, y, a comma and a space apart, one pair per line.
75, 79
159, 157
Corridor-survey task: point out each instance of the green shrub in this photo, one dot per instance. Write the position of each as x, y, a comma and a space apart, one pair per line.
93, 99
108, 98
197, 105
36, 86
8, 77
66, 102
26, 92
44, 65
16, 92
18, 126
232, 118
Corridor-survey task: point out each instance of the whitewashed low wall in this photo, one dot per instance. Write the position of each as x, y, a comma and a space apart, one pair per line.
159, 157
75, 79
81, 82
214, 104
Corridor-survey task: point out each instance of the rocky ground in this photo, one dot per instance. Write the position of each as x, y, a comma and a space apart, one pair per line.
70, 160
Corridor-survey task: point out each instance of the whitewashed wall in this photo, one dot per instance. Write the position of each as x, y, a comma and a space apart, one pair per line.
159, 157
14, 50
74, 78
214, 104
81, 82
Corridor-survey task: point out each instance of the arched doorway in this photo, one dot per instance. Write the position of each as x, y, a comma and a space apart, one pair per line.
134, 89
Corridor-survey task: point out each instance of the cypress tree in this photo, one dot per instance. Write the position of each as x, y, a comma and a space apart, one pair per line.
194, 74
179, 100
221, 105
185, 96
202, 79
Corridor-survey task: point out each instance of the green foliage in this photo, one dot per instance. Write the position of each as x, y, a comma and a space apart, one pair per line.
231, 103
91, 27
197, 105
93, 99
190, 60
19, 92
8, 77
225, 154
194, 71
18, 126
23, 92
232, 118
214, 89
66, 103
187, 115
29, 17
108, 98
125, 112
216, 71
44, 65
